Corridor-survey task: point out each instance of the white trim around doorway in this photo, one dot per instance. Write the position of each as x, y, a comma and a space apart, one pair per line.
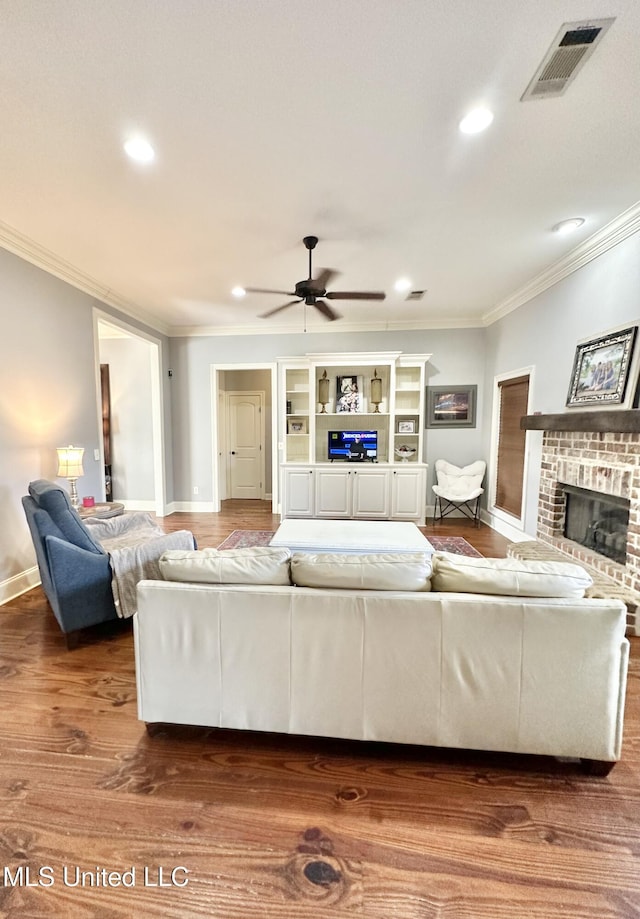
217, 439
506, 524
157, 404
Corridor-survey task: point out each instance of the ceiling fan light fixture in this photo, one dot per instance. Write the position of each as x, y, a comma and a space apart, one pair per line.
239, 292
139, 149
478, 119
568, 226
402, 285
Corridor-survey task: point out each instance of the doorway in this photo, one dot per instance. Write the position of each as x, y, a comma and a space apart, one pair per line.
244, 432
135, 447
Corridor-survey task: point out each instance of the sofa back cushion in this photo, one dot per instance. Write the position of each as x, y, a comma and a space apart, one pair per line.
55, 501
255, 565
508, 576
380, 571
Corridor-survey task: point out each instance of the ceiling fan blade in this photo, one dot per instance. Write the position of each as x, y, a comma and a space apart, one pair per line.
264, 290
278, 309
355, 295
325, 277
326, 310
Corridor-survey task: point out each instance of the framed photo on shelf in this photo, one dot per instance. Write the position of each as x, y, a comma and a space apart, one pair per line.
406, 427
349, 394
451, 406
601, 374
297, 426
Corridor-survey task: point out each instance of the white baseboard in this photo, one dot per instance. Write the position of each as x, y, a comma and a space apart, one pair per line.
133, 505
19, 584
504, 528
190, 507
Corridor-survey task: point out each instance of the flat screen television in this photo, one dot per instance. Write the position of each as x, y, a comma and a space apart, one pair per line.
353, 446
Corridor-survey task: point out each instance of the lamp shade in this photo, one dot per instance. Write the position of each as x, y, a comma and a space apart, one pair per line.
70, 462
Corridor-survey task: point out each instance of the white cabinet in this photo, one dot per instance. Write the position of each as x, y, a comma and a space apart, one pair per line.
298, 497
347, 493
370, 493
333, 491
375, 492
408, 496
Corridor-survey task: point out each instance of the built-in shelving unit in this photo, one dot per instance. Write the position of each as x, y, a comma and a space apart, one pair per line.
381, 392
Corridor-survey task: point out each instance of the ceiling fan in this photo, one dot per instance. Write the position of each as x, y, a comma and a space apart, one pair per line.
313, 291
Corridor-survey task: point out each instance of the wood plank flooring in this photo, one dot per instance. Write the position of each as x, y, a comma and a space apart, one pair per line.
283, 827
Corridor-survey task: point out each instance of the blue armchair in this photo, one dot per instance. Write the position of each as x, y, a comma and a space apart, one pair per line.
75, 569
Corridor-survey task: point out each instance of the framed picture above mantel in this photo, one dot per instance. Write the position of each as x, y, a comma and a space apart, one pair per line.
604, 370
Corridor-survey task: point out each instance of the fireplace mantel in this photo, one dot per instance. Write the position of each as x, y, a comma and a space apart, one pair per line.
611, 421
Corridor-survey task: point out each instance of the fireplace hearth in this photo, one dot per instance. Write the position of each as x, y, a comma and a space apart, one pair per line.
598, 521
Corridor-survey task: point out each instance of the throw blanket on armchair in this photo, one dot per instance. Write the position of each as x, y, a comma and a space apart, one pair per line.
134, 543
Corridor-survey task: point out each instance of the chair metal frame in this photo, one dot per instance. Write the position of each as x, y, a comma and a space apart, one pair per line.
473, 513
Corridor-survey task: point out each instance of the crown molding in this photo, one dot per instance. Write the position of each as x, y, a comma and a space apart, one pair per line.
619, 229
326, 328
30, 251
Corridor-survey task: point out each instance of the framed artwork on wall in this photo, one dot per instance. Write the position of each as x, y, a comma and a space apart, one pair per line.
451, 406
601, 374
349, 394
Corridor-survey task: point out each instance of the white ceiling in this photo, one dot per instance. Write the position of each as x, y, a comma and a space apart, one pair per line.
275, 119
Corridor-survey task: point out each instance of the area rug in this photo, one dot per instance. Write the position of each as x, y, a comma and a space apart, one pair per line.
243, 539
454, 544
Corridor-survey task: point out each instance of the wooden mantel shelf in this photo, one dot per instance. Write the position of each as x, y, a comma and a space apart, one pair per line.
612, 421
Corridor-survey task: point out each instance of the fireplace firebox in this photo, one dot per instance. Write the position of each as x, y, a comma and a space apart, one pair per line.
598, 521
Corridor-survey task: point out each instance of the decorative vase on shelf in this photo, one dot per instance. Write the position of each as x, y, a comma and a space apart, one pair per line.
405, 452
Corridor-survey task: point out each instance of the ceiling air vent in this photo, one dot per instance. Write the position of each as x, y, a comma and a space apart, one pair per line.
416, 295
572, 46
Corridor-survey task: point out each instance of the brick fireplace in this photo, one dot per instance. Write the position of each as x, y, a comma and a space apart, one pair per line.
603, 462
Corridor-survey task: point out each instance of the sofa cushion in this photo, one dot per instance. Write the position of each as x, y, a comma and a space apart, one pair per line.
55, 501
381, 571
508, 576
255, 565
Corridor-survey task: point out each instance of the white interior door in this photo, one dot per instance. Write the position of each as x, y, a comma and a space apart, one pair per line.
245, 427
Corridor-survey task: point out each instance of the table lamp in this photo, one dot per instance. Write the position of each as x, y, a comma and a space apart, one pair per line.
70, 467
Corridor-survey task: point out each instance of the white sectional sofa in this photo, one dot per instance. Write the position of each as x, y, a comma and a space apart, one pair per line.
486, 654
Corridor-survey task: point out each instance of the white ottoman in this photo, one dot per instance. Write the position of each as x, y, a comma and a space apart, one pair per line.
356, 536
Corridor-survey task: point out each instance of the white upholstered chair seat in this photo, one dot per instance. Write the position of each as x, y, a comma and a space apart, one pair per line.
458, 487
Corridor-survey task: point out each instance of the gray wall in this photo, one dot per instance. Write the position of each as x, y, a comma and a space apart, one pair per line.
48, 396
458, 357
544, 332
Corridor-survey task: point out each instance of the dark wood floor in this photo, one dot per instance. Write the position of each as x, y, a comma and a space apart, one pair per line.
284, 827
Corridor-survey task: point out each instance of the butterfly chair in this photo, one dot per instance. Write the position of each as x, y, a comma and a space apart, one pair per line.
458, 489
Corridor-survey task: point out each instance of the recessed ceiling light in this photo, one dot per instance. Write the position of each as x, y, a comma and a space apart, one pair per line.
402, 284
477, 120
238, 291
139, 149
568, 226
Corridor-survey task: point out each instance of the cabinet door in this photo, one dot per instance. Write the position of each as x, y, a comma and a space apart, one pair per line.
333, 492
298, 492
407, 494
371, 493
